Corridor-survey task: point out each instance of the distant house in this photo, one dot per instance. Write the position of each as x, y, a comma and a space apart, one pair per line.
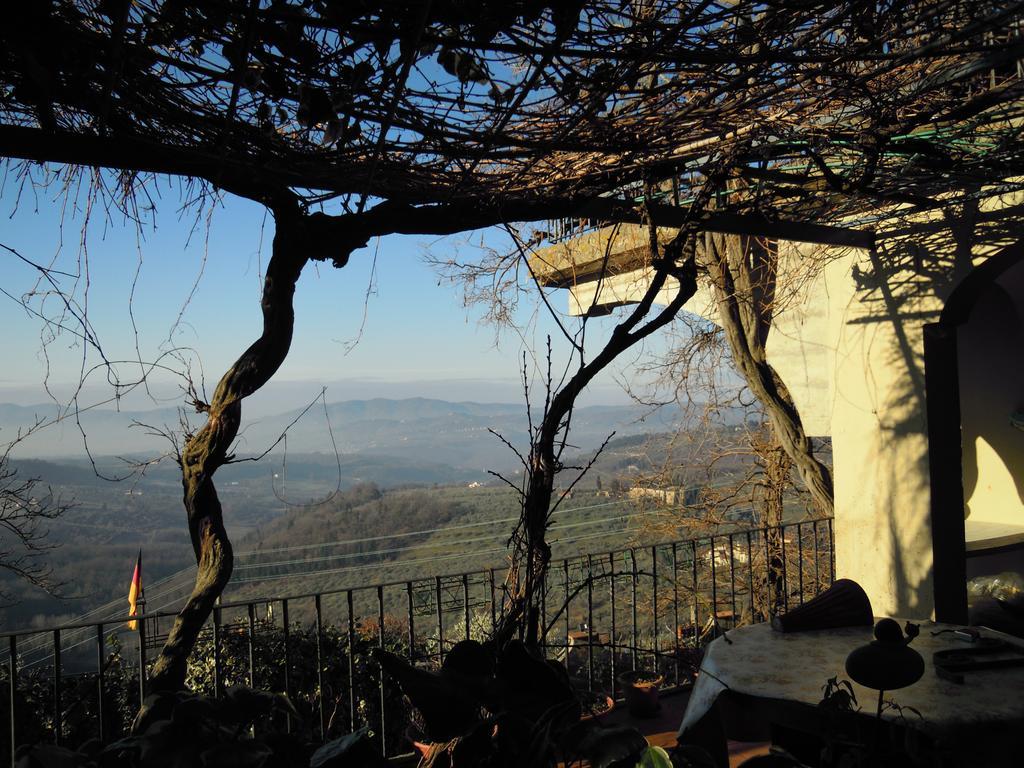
723, 557
665, 496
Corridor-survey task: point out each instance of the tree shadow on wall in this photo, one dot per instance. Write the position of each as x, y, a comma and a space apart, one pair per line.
903, 284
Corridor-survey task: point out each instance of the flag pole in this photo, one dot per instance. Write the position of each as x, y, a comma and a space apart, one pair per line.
142, 588
141, 625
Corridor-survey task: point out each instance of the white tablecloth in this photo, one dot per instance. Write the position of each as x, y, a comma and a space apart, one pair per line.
794, 667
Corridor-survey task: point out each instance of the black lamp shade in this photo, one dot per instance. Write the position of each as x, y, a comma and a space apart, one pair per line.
887, 663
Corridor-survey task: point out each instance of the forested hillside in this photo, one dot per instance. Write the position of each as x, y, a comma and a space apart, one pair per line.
304, 525
95, 543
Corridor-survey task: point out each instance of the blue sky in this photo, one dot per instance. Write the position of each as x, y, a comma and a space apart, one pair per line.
418, 337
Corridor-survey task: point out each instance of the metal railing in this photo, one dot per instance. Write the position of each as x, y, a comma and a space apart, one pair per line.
603, 613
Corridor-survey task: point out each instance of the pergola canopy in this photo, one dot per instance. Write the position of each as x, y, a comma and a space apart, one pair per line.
511, 104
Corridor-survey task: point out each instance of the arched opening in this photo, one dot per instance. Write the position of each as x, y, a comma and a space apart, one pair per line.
974, 362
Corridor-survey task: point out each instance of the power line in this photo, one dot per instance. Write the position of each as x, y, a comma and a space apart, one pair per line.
113, 604
396, 564
415, 561
435, 545
454, 556
461, 526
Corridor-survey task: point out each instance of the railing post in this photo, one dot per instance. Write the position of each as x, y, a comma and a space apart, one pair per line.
750, 578
817, 571
590, 622
465, 601
714, 587
636, 637
412, 629
613, 639
351, 663
800, 558
287, 661
785, 577
141, 623
568, 599
494, 619
831, 551
218, 673
317, 609
654, 607
675, 606
440, 621
100, 684
544, 614
252, 644
12, 670
696, 594
732, 576
57, 707
380, 672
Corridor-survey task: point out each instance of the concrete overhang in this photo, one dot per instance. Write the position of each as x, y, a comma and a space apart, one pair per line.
622, 248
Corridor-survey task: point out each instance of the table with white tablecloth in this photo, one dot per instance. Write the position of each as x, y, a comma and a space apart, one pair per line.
980, 720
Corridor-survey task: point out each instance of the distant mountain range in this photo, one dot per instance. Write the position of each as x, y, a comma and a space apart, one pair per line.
419, 429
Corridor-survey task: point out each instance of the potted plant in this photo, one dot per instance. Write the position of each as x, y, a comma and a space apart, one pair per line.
641, 691
595, 703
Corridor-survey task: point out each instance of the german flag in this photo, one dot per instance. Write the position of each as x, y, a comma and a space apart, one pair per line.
135, 593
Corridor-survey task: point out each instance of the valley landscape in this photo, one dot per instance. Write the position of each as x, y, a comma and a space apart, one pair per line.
408, 492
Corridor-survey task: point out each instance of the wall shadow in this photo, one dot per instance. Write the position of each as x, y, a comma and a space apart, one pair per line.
904, 284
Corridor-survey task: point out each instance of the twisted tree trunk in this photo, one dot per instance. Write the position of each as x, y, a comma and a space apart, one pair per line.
776, 465
208, 449
742, 272
677, 261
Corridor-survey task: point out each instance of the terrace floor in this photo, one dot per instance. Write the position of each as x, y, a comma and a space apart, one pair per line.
661, 730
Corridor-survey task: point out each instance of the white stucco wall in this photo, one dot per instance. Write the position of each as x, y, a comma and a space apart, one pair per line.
879, 427
879, 433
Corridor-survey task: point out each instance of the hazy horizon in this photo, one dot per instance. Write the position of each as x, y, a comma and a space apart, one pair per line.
299, 392
344, 419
